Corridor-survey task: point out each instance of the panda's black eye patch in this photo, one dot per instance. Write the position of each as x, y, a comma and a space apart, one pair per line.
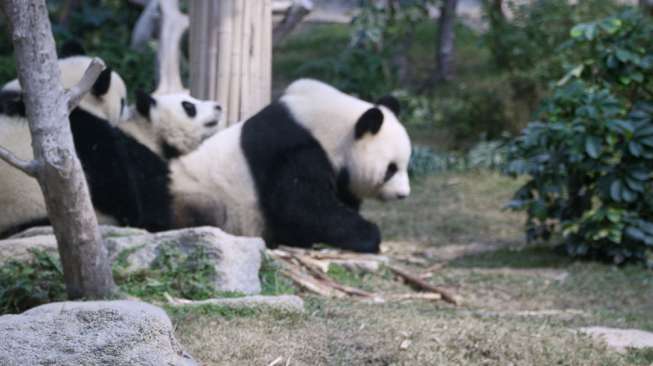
190, 109
390, 172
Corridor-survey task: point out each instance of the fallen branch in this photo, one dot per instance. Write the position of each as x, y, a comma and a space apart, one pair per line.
423, 285
77, 92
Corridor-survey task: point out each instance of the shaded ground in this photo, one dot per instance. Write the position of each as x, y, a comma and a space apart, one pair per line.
520, 303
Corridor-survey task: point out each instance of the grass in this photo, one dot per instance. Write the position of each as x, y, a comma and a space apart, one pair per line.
521, 303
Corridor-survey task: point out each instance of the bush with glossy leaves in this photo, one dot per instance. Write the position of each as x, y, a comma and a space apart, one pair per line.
589, 157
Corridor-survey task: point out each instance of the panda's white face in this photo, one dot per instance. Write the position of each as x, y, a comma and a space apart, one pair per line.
378, 163
106, 99
179, 120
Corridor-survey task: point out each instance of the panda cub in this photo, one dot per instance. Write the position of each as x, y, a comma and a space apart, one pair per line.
121, 163
296, 172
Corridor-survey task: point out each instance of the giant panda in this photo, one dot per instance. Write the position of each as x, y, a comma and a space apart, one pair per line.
123, 164
296, 172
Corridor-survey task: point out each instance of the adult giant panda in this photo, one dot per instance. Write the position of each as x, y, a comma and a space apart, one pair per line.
296, 172
124, 165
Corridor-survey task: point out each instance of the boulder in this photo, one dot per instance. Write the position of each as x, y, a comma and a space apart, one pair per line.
91, 333
237, 260
620, 339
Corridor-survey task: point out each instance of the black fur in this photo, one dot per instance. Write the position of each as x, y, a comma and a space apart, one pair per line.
127, 181
170, 152
102, 83
369, 122
71, 48
189, 108
391, 103
11, 103
297, 188
143, 103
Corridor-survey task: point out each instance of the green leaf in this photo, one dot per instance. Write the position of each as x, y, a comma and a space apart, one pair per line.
635, 233
593, 146
628, 195
615, 190
577, 31
635, 148
634, 184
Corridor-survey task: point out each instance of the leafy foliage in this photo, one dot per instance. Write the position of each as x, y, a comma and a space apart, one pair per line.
272, 281
24, 285
104, 28
590, 155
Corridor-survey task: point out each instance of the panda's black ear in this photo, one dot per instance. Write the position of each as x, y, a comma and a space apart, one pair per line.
11, 103
102, 83
391, 103
144, 102
369, 122
71, 48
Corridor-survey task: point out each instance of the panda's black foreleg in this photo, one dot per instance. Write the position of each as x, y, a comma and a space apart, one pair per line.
302, 208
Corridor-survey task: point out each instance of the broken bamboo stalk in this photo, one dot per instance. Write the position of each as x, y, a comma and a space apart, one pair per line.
423, 285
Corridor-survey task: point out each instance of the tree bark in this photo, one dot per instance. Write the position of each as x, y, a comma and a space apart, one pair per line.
87, 272
231, 54
173, 25
647, 6
445, 50
294, 15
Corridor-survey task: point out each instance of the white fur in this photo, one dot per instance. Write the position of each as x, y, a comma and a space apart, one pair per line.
107, 106
216, 176
168, 122
332, 121
21, 199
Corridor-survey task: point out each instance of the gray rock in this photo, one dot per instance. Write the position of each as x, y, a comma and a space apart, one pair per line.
620, 339
91, 333
237, 260
289, 303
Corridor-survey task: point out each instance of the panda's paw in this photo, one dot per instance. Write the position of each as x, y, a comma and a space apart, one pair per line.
370, 239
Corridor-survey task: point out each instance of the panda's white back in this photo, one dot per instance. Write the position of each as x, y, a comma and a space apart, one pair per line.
216, 178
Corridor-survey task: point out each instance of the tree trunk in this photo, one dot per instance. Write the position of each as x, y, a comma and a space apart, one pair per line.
445, 50
86, 269
231, 54
647, 6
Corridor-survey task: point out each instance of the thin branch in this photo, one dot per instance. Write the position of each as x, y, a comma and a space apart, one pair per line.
28, 167
294, 15
77, 92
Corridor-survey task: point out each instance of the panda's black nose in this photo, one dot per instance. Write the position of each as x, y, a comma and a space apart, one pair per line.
401, 196
218, 107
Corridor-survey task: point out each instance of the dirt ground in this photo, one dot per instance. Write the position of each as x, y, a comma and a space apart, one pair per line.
521, 304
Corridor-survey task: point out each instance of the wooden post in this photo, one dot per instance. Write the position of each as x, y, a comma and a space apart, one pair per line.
86, 268
231, 54
445, 50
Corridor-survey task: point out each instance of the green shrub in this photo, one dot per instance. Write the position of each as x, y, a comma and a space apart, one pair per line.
27, 284
590, 155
